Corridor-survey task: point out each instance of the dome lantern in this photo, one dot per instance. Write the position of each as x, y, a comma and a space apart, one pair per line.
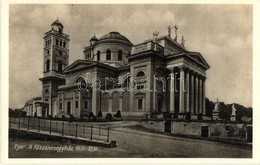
57, 25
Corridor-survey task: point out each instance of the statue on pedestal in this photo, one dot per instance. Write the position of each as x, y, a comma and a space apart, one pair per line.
215, 112
233, 114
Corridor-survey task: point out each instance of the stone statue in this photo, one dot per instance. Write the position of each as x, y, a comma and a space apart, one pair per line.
233, 110
176, 28
169, 31
155, 35
216, 109
182, 41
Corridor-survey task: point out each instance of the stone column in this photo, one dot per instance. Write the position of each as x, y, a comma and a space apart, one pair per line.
192, 94
80, 102
94, 101
196, 94
73, 109
203, 97
154, 93
63, 103
58, 102
110, 104
187, 91
172, 90
121, 103
181, 106
200, 95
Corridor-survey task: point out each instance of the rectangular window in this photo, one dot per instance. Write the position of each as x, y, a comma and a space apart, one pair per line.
140, 104
86, 105
76, 104
60, 105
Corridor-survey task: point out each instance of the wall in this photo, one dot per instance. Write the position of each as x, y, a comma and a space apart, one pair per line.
217, 130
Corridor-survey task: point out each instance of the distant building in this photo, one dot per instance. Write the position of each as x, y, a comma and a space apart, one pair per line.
156, 76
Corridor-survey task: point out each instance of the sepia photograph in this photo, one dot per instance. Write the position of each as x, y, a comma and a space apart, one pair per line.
130, 81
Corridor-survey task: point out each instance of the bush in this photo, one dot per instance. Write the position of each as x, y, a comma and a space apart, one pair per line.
91, 115
109, 117
188, 116
200, 116
118, 114
175, 116
100, 114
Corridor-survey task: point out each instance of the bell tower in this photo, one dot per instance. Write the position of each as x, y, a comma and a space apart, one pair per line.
55, 60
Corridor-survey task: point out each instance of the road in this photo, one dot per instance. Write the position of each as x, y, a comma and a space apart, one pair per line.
139, 143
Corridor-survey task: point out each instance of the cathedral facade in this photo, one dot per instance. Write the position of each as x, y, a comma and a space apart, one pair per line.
147, 79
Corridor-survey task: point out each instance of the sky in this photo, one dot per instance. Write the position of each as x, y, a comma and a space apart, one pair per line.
221, 33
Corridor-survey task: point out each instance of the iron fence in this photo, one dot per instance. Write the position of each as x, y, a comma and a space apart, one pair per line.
62, 128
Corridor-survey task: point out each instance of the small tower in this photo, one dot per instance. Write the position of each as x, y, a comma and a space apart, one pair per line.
55, 60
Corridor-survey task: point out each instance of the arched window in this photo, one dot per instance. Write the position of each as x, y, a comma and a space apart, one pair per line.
81, 81
64, 44
57, 42
59, 66
46, 91
98, 56
119, 55
140, 74
48, 65
60, 43
108, 55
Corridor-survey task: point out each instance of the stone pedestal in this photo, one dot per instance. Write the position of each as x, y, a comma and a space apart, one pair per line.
233, 118
215, 115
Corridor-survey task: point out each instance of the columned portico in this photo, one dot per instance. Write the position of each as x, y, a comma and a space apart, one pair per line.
190, 92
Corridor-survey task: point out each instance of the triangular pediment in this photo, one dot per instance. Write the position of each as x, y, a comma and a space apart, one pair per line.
79, 64
199, 58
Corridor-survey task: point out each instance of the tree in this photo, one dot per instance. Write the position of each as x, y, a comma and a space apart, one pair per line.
209, 107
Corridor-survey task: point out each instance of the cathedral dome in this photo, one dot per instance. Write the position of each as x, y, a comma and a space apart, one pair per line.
116, 37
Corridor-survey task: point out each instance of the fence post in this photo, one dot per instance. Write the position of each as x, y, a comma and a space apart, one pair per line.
76, 130
39, 122
84, 129
91, 131
62, 132
28, 123
107, 134
10, 122
99, 130
50, 126
19, 122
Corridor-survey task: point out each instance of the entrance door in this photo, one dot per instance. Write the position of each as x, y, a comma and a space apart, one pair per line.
167, 127
68, 108
204, 131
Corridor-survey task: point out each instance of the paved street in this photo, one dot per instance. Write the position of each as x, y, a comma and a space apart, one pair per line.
133, 142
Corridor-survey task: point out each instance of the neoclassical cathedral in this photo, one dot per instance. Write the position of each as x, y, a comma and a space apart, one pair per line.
148, 79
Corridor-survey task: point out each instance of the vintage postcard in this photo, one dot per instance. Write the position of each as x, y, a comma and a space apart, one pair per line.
120, 81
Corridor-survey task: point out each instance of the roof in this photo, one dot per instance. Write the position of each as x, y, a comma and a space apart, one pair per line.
114, 36
94, 38
57, 23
